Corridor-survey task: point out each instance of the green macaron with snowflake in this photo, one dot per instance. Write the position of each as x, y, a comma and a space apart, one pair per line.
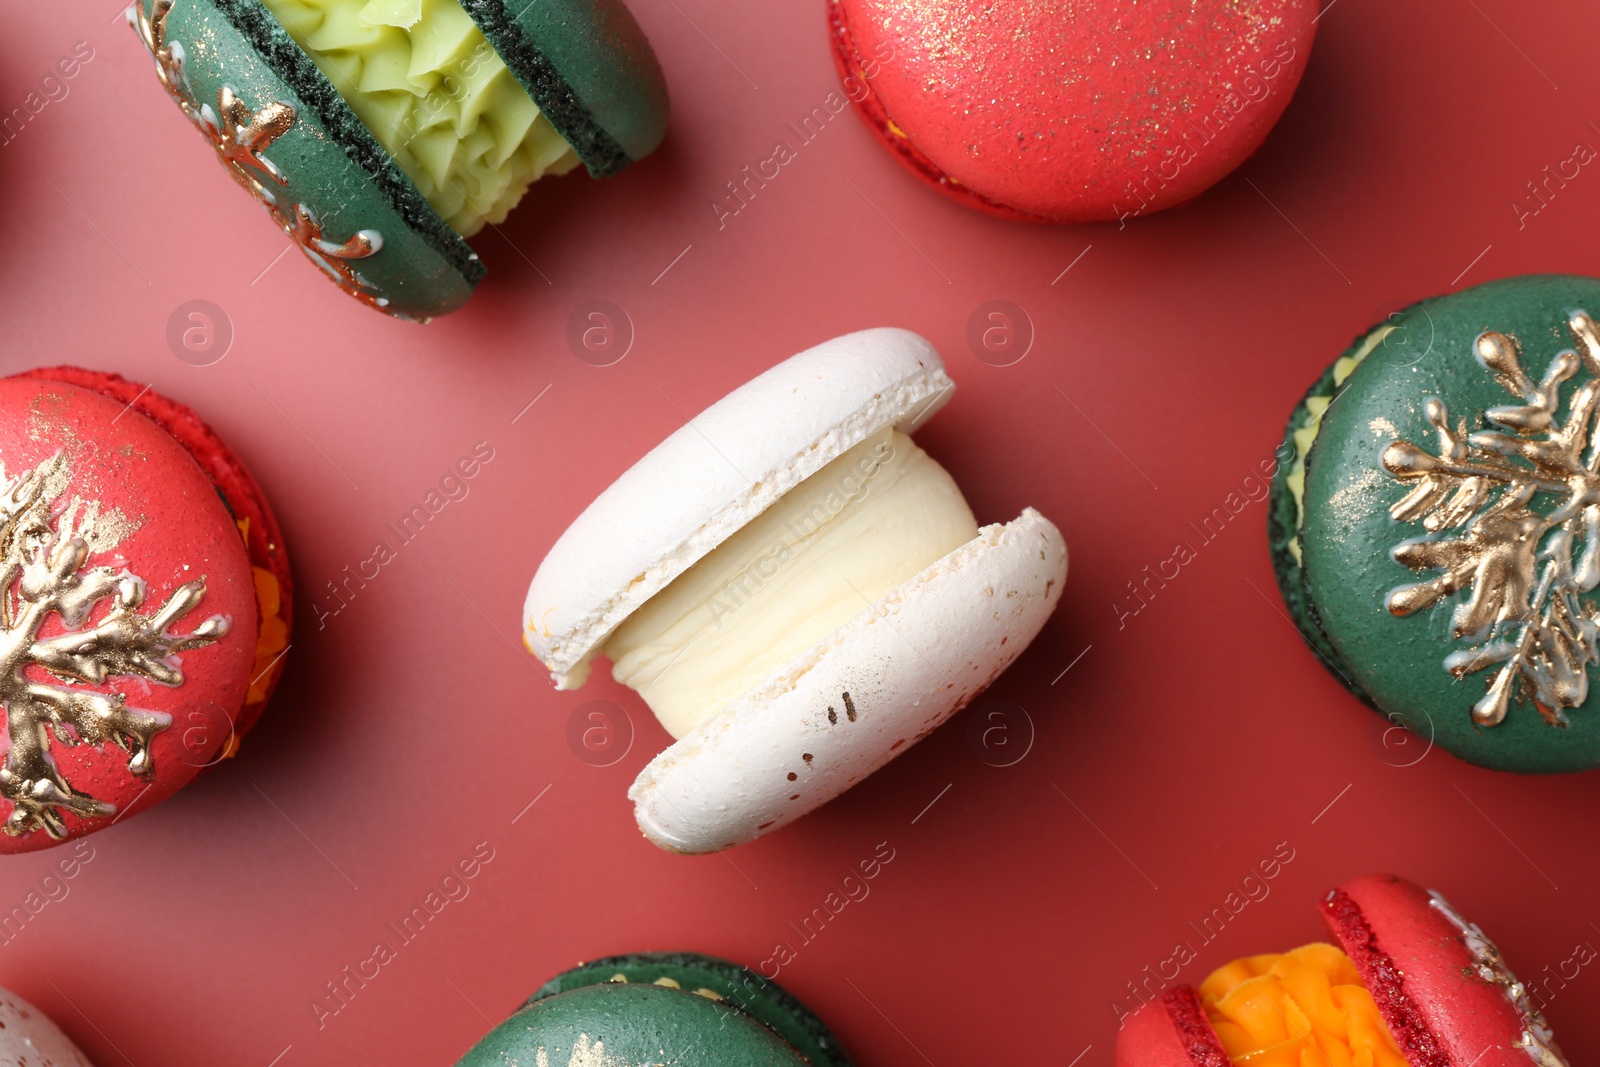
380, 135
1437, 533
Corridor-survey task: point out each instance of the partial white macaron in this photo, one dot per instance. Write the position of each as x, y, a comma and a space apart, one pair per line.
29, 1038
865, 692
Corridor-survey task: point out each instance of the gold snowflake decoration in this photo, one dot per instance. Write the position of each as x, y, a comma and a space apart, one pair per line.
240, 136
1522, 499
42, 576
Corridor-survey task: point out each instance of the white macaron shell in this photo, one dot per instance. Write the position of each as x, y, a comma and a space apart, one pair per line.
909, 662
712, 476
27, 1036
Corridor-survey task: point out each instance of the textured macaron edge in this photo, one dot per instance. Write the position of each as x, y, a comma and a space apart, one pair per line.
240, 493
1385, 980
761, 998
870, 107
1284, 521
289, 61
745, 451
1193, 1027
1445, 1004
557, 100
856, 700
1171, 1031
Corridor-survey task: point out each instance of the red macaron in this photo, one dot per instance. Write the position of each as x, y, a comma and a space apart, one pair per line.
1077, 112
144, 602
1440, 986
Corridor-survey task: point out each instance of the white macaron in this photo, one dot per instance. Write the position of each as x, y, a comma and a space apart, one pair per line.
29, 1038
797, 591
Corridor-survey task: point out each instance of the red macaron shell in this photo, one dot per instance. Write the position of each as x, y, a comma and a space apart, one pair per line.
240, 493
1441, 987
1076, 112
1444, 1004
169, 527
1170, 1032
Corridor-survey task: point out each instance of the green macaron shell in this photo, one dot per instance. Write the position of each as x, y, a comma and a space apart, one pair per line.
589, 67
1349, 536
330, 162
764, 1000
1283, 528
631, 1026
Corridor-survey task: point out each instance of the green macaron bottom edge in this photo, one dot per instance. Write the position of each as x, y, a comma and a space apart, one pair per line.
745, 990
1285, 517
290, 62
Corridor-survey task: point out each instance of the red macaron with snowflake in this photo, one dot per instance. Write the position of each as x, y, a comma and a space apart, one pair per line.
1079, 112
1407, 982
144, 602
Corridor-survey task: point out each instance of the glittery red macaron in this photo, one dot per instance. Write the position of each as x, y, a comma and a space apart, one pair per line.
1093, 110
1410, 982
144, 602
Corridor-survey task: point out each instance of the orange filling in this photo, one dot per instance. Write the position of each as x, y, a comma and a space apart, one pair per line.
1306, 1008
272, 632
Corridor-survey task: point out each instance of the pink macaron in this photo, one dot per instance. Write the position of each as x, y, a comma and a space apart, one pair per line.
1077, 112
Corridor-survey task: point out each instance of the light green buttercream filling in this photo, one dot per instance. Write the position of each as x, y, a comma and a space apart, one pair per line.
1306, 435
430, 87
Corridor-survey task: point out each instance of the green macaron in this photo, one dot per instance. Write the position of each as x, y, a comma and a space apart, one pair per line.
381, 134
661, 1008
1436, 533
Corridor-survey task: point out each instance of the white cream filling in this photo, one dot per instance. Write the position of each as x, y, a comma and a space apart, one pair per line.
848, 535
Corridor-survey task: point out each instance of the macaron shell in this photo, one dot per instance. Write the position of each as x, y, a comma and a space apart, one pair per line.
28, 1037
329, 163
1283, 531
1445, 1006
1349, 536
764, 1000
856, 73
711, 477
240, 495
862, 696
626, 1025
1094, 110
173, 530
591, 70
1172, 1031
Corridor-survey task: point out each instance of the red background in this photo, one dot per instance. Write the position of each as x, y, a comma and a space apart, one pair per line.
1190, 741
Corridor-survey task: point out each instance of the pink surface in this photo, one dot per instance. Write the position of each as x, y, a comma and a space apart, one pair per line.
1182, 744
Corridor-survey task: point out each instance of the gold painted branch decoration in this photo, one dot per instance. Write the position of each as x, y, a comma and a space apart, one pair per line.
42, 574
240, 136
1521, 502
